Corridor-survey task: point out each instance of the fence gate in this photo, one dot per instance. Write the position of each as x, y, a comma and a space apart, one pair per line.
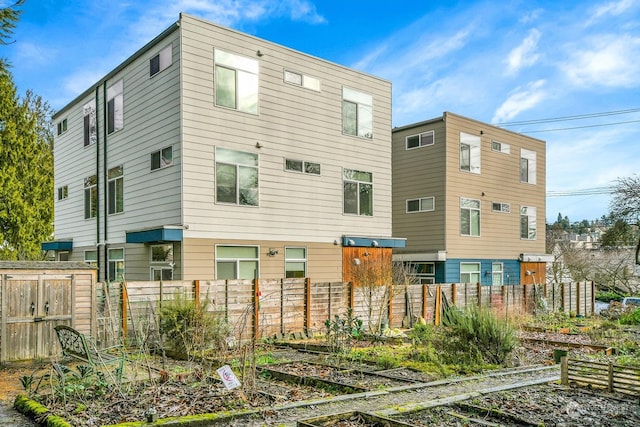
32, 305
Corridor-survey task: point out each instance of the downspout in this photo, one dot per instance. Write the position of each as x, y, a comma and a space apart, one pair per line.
97, 181
104, 167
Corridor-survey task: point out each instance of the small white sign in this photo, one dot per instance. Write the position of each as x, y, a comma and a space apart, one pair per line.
228, 377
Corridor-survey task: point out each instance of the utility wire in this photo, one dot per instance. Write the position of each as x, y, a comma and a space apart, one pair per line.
579, 127
567, 118
581, 192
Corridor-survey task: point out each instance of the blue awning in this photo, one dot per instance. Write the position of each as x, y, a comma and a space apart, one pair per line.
373, 242
57, 245
155, 235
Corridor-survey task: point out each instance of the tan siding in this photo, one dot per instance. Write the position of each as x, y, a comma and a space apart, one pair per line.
292, 122
499, 180
417, 173
324, 261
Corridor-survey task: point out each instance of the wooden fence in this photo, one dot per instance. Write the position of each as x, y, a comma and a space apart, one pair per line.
613, 378
263, 308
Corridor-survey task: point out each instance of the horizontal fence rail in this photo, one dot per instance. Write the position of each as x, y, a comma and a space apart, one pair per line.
613, 378
266, 308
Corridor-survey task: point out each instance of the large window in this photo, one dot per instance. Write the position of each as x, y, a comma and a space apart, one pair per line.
358, 192
90, 197
161, 61
89, 112
424, 204
425, 272
116, 265
162, 158
162, 262
236, 81
236, 177
357, 113
115, 107
420, 140
91, 257
528, 226
295, 262
116, 190
469, 217
237, 262
528, 166
469, 153
469, 272
496, 273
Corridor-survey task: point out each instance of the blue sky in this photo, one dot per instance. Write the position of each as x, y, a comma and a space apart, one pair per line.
498, 62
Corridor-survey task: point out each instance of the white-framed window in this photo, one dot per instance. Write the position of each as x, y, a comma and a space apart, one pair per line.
424, 271
115, 107
500, 147
500, 207
301, 166
162, 158
423, 204
91, 257
161, 61
115, 190
236, 177
469, 153
469, 217
62, 126
497, 270
237, 262
161, 262
420, 140
358, 192
236, 81
299, 79
295, 262
90, 197
89, 119
63, 192
469, 272
116, 264
357, 113
528, 226
527, 166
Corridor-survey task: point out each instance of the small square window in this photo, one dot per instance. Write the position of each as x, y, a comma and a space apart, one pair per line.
162, 158
500, 147
62, 126
420, 140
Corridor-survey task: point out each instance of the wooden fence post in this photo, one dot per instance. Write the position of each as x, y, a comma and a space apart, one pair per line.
307, 305
593, 298
577, 298
390, 306
438, 304
479, 291
425, 299
196, 292
525, 299
124, 298
610, 378
564, 370
562, 305
282, 306
454, 291
256, 309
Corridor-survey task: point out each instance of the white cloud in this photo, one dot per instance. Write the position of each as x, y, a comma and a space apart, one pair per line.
77, 83
531, 16
33, 54
520, 100
609, 61
524, 55
614, 8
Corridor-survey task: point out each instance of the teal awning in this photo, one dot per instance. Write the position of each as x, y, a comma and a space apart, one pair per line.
162, 234
57, 245
374, 242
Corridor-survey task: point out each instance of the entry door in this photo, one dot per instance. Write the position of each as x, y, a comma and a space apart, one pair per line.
32, 305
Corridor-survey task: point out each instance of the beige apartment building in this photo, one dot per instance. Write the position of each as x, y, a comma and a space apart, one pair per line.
470, 199
213, 154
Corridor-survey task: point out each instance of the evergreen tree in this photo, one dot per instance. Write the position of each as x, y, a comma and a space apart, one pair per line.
8, 18
26, 173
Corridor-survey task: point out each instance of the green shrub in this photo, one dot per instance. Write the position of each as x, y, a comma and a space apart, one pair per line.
342, 332
422, 334
189, 327
476, 336
631, 317
607, 296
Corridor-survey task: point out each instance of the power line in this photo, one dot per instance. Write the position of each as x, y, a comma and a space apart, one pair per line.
581, 192
580, 127
567, 118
